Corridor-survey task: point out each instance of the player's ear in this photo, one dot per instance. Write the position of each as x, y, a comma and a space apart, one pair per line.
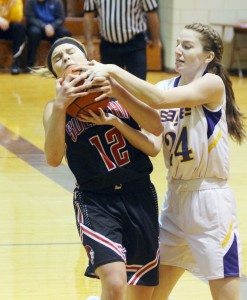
210, 56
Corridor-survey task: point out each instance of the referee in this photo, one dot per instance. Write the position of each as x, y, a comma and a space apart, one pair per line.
123, 30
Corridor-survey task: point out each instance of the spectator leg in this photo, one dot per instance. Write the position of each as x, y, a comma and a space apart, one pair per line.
35, 35
18, 35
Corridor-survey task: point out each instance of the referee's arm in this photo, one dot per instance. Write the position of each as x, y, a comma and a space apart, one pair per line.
153, 28
88, 26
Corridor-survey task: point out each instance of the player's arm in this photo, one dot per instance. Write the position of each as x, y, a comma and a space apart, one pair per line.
149, 143
207, 90
54, 118
143, 140
54, 125
147, 117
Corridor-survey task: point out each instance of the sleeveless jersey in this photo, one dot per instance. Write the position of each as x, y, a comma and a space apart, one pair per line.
195, 140
99, 156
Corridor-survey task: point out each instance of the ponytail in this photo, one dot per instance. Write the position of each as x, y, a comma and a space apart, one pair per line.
212, 41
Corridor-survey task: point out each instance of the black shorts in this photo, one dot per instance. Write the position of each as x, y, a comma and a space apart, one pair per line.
121, 224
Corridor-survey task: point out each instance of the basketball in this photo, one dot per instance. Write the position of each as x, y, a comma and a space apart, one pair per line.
82, 104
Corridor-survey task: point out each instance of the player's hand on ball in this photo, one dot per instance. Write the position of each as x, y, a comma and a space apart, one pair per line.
102, 86
102, 118
75, 85
95, 69
67, 91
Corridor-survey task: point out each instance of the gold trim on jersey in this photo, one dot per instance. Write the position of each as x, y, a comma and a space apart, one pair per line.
215, 141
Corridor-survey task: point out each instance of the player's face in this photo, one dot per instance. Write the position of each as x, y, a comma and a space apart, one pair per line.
189, 53
66, 55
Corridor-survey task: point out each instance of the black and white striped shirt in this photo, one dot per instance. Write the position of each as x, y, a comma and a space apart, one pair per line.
121, 20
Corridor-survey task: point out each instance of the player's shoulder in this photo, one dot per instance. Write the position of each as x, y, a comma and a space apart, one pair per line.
215, 84
213, 78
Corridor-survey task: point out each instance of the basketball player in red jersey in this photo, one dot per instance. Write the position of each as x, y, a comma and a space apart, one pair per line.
114, 200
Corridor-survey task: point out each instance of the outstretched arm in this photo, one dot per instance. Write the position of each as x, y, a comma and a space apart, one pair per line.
208, 89
147, 117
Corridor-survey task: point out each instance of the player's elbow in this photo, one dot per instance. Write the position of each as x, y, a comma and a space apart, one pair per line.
154, 151
53, 160
158, 130
155, 124
154, 127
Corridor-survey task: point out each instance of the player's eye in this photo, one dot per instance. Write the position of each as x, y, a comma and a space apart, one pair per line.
187, 46
57, 58
71, 51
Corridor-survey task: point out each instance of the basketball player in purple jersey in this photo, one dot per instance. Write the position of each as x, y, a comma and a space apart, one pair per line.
198, 221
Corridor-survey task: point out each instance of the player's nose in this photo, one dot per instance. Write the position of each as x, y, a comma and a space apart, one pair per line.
66, 57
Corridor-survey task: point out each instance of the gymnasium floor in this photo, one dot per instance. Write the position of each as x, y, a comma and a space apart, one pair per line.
40, 252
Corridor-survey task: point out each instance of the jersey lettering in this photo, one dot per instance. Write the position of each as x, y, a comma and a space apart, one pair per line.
74, 128
173, 115
116, 109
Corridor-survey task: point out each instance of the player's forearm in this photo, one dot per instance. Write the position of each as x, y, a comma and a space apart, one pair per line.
138, 139
141, 89
55, 137
147, 117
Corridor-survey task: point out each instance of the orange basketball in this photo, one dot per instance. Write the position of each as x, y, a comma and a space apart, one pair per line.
82, 104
